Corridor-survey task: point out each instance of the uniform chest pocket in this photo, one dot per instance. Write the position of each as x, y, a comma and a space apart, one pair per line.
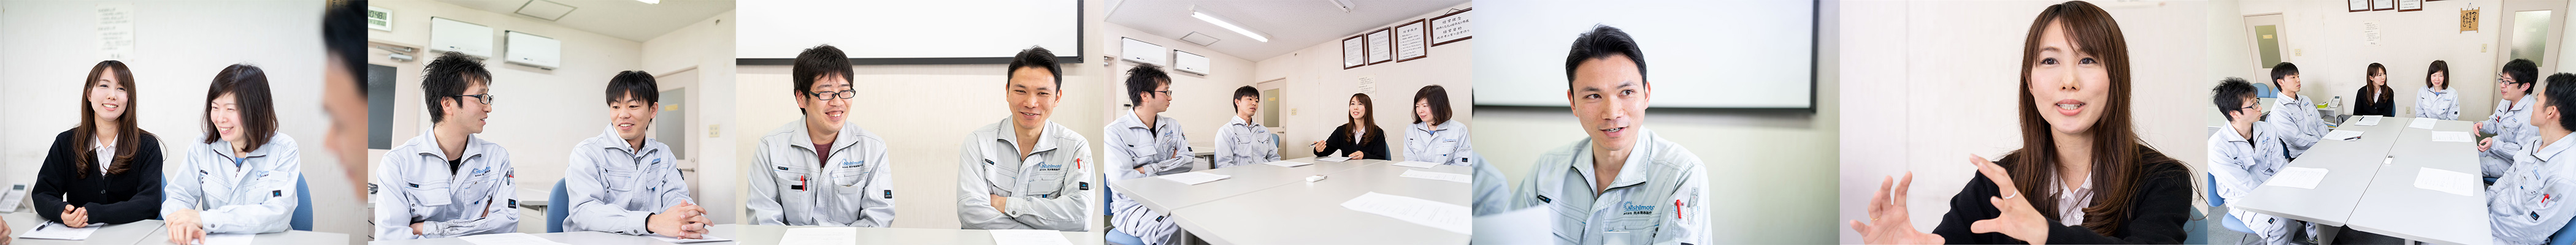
1045, 181
851, 173
788, 178
429, 193
1631, 228
619, 180
999, 178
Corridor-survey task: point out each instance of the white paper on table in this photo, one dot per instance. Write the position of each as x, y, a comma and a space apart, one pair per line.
1028, 237
2446, 181
1450, 217
57, 231
2342, 134
1333, 159
1528, 226
2367, 121
820, 235
1416, 164
701, 238
1195, 178
507, 239
1287, 164
228, 239
1460, 178
2446, 136
2422, 123
2297, 177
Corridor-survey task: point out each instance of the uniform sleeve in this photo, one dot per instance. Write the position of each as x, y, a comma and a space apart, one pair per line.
1465, 153
763, 207
2300, 130
878, 210
1268, 153
500, 207
1064, 212
589, 209
1177, 160
392, 208
1122, 165
2510, 143
974, 200
2531, 212
269, 215
1225, 147
1492, 193
48, 193
1690, 206
2233, 181
2450, 106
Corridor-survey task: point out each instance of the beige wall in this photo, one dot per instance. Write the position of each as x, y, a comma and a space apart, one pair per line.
1937, 85
1202, 103
2331, 55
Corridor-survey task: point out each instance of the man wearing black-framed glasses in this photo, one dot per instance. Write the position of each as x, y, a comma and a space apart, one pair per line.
823, 170
474, 193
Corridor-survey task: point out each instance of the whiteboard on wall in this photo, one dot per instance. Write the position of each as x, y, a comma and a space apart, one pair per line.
1185, 61
533, 50
908, 32
1699, 54
451, 35
1132, 50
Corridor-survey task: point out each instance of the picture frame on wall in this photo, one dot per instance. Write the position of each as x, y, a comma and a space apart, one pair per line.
1354, 52
1412, 41
2410, 5
1380, 52
2356, 5
2377, 5
1451, 27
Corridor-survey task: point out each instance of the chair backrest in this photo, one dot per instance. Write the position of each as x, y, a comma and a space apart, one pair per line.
303, 220
557, 207
1274, 139
2563, 236
2197, 229
2214, 201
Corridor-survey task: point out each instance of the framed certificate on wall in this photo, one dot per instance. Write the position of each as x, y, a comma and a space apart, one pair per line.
1354, 52
1380, 51
1412, 41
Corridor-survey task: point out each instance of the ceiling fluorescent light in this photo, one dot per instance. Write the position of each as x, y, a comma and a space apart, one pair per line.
650, 1
1220, 22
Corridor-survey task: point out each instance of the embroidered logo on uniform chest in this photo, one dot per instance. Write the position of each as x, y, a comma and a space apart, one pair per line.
1628, 208
852, 164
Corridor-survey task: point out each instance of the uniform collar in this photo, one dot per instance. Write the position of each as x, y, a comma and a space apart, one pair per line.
1426, 126
429, 139
1127, 119
225, 148
1046, 134
796, 134
1239, 121
2555, 148
608, 139
1631, 172
2227, 132
2519, 105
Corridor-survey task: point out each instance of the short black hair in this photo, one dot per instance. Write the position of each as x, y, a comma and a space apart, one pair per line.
1246, 92
819, 62
1039, 57
1602, 42
2523, 71
2281, 71
634, 83
1438, 99
2231, 95
249, 87
2562, 94
447, 77
344, 34
1143, 79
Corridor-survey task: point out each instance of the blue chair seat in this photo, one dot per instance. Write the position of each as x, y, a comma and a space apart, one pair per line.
1121, 238
2230, 221
303, 220
557, 207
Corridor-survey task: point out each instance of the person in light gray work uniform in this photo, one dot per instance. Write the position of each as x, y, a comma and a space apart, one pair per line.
1624, 184
1243, 141
2509, 123
447, 182
240, 179
624, 182
1142, 144
2528, 203
822, 171
2245, 153
1434, 138
1025, 172
2293, 115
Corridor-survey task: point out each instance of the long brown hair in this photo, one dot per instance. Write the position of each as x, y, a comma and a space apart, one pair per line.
128, 136
2384, 96
1368, 120
2116, 147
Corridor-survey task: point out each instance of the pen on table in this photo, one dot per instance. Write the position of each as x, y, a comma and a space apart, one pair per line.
2353, 138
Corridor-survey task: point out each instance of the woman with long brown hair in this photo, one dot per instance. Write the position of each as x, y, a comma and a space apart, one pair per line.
1360, 138
2375, 99
107, 169
2082, 175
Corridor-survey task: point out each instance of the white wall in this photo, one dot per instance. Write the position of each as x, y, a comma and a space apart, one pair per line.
1778, 160
1202, 103
2326, 44
1935, 83
543, 113
53, 44
697, 47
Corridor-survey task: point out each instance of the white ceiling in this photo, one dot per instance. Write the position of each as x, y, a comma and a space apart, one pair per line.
1290, 24
625, 19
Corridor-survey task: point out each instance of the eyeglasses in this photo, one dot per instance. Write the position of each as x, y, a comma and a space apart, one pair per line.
1166, 93
486, 98
827, 95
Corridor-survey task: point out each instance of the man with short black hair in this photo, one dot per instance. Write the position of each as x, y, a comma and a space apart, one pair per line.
823, 170
1026, 172
623, 181
1242, 140
475, 192
2507, 123
1624, 184
2293, 114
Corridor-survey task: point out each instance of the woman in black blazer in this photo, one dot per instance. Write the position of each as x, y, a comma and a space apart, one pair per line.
2375, 99
2082, 175
1359, 138
107, 170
